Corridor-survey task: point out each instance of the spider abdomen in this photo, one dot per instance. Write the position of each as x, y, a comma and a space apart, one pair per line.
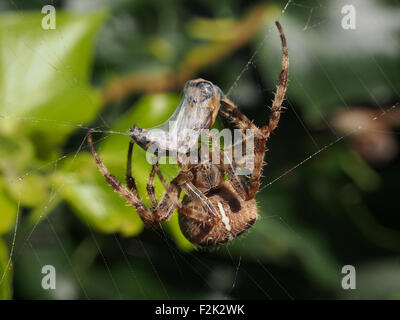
235, 216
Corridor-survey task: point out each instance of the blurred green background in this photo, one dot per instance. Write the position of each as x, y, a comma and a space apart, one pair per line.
329, 191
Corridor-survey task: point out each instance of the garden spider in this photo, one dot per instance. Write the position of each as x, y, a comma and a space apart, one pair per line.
214, 210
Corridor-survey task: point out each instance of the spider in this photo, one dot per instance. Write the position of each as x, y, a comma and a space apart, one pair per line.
214, 209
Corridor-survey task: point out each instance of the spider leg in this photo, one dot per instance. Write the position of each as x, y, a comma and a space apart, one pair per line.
170, 200
172, 192
130, 181
150, 187
182, 182
163, 210
127, 194
260, 134
172, 195
166, 206
280, 89
196, 214
243, 123
235, 180
190, 189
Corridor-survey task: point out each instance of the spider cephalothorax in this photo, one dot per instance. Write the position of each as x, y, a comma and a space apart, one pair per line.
214, 209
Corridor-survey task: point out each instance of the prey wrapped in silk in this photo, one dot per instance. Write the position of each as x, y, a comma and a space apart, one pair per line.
197, 110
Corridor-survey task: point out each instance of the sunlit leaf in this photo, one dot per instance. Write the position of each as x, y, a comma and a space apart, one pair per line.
16, 153
212, 29
31, 190
93, 199
8, 211
45, 73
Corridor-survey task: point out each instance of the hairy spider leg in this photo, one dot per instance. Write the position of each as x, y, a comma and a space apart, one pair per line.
236, 181
280, 89
150, 187
171, 196
260, 134
163, 210
191, 190
127, 194
130, 181
170, 200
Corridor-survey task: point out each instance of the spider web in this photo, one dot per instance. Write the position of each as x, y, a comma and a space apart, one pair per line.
193, 261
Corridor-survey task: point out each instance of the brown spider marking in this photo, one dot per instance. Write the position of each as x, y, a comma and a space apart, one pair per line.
213, 210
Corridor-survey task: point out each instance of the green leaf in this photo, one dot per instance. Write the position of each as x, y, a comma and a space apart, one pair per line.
16, 152
5, 275
31, 190
8, 211
93, 200
44, 208
50, 80
356, 168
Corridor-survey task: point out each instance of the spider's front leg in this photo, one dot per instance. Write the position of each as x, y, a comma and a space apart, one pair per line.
150, 187
226, 161
243, 123
130, 181
183, 182
129, 195
170, 200
233, 114
163, 210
